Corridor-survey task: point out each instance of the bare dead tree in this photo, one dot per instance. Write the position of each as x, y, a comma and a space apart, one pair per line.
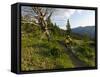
42, 16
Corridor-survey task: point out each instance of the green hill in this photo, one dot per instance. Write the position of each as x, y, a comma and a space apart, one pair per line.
39, 54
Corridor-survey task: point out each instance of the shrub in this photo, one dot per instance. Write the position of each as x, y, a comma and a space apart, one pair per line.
54, 52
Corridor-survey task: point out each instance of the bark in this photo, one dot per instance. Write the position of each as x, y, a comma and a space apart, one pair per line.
42, 15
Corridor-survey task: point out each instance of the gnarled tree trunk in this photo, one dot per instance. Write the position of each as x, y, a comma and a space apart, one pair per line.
42, 15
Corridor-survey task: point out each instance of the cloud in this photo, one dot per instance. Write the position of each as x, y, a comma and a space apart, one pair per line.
64, 12
69, 13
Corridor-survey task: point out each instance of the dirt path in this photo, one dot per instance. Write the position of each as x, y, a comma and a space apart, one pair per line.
72, 56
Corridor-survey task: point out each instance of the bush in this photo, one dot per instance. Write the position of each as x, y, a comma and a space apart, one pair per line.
85, 54
54, 52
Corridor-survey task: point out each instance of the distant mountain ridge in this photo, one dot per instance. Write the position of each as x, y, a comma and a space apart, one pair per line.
88, 30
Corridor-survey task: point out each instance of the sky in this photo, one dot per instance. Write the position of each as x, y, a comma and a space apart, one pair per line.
77, 17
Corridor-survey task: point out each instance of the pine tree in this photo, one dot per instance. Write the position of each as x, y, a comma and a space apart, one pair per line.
68, 39
68, 31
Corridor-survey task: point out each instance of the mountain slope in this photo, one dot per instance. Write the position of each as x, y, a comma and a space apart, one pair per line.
88, 30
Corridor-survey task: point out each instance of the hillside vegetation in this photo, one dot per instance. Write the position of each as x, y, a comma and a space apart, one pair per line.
40, 54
